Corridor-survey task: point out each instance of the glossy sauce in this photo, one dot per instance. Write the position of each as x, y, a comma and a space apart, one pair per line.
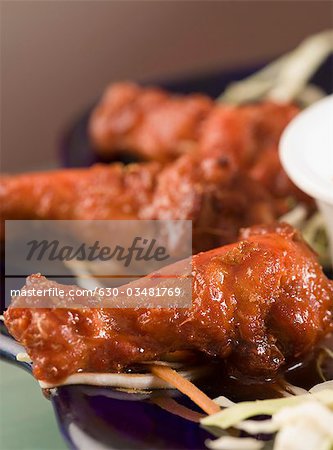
302, 373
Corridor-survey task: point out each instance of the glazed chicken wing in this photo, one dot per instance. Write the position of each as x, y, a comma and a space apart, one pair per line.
248, 137
257, 303
147, 122
100, 192
155, 125
218, 201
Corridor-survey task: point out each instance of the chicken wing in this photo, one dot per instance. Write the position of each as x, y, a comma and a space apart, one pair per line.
155, 125
257, 303
147, 122
100, 192
248, 137
218, 201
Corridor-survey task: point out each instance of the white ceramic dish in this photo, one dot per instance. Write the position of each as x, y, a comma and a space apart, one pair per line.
306, 152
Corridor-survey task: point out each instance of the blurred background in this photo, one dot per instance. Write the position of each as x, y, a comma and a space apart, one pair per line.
57, 57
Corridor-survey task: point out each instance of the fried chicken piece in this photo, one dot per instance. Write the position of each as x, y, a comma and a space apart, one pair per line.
248, 137
99, 192
148, 122
155, 125
218, 201
206, 192
257, 303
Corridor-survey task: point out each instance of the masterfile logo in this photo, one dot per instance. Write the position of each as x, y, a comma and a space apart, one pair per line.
99, 263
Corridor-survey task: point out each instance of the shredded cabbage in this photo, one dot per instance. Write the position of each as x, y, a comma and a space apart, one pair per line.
241, 411
303, 422
234, 443
286, 78
322, 386
313, 230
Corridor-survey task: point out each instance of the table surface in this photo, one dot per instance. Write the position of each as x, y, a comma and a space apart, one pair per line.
27, 421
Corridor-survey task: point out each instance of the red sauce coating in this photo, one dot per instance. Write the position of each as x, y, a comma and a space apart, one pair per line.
258, 303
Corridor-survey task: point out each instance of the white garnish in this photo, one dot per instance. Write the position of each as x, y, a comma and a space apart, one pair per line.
322, 386
223, 401
23, 357
303, 422
123, 380
233, 443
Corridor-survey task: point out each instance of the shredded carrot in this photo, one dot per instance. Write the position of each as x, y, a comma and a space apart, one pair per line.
173, 407
186, 387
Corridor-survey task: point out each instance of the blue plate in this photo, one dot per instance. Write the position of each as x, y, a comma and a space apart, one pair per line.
105, 418
100, 418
